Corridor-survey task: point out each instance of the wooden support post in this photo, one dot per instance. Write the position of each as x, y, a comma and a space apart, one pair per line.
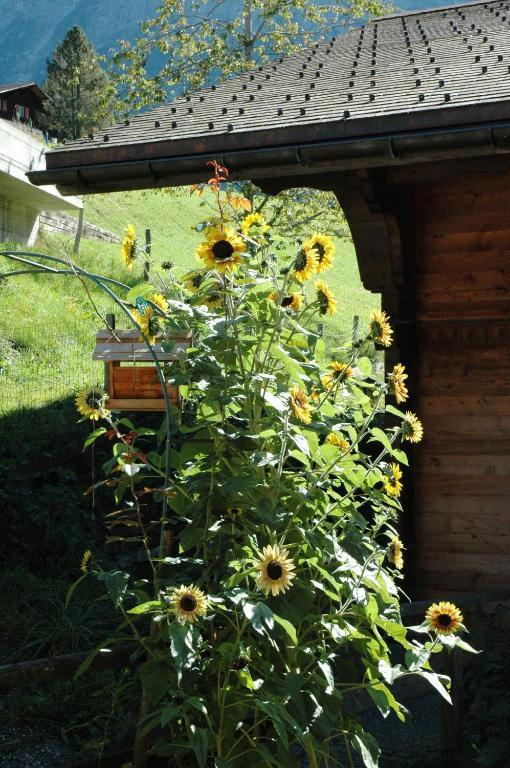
452, 714
148, 249
108, 377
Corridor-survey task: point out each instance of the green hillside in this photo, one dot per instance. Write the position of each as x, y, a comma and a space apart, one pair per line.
47, 324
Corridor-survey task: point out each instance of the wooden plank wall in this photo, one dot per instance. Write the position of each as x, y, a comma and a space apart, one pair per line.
462, 467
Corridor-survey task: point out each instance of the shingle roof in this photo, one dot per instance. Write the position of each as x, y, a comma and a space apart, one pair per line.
448, 66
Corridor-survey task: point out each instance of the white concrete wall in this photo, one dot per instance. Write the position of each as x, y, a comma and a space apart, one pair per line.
20, 201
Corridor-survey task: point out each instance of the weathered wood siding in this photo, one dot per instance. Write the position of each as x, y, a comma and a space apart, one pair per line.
462, 467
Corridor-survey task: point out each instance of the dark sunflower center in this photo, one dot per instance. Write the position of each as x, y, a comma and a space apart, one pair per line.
235, 510
323, 301
153, 325
300, 262
188, 603
196, 280
298, 402
274, 570
320, 250
92, 400
222, 250
132, 249
444, 619
287, 301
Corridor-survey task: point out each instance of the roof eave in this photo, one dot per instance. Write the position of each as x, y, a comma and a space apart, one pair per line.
285, 160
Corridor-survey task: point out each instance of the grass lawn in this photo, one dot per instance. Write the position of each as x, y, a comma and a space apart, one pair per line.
47, 325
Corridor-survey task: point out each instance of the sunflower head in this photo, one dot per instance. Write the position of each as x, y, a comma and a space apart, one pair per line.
159, 300
305, 264
148, 320
222, 249
335, 439
396, 380
412, 428
129, 246
326, 300
193, 280
86, 561
292, 301
90, 403
188, 603
300, 405
339, 372
275, 570
444, 618
380, 328
395, 553
324, 248
392, 481
254, 225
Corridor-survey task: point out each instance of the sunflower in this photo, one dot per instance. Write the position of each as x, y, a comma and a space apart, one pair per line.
395, 553
86, 561
90, 403
148, 320
193, 280
293, 301
129, 247
305, 265
234, 511
335, 439
275, 570
340, 371
412, 428
300, 405
254, 225
380, 328
444, 618
396, 381
221, 249
212, 299
159, 300
327, 302
188, 603
324, 247
392, 481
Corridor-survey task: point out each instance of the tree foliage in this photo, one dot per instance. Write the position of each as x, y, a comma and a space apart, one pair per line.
191, 42
80, 94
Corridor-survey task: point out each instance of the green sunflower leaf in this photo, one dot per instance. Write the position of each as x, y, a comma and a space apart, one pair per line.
199, 740
287, 626
260, 616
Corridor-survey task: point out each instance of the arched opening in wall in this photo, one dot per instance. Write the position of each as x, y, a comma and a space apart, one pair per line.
300, 213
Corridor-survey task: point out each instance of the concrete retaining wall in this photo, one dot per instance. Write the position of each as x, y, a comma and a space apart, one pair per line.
63, 224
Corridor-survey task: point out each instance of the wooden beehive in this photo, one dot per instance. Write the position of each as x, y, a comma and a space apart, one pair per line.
131, 379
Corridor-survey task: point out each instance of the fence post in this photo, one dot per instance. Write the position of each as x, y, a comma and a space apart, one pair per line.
79, 230
148, 249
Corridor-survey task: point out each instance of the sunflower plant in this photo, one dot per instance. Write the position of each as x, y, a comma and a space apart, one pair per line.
267, 584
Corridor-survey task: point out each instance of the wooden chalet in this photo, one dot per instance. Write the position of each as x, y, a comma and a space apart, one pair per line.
407, 120
22, 103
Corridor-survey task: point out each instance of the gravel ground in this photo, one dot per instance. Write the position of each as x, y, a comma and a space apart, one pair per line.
22, 748
402, 745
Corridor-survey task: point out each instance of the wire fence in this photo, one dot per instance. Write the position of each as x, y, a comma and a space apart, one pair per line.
56, 367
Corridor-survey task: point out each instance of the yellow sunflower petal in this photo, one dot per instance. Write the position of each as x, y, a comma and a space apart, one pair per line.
444, 618
90, 403
222, 249
188, 603
275, 570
